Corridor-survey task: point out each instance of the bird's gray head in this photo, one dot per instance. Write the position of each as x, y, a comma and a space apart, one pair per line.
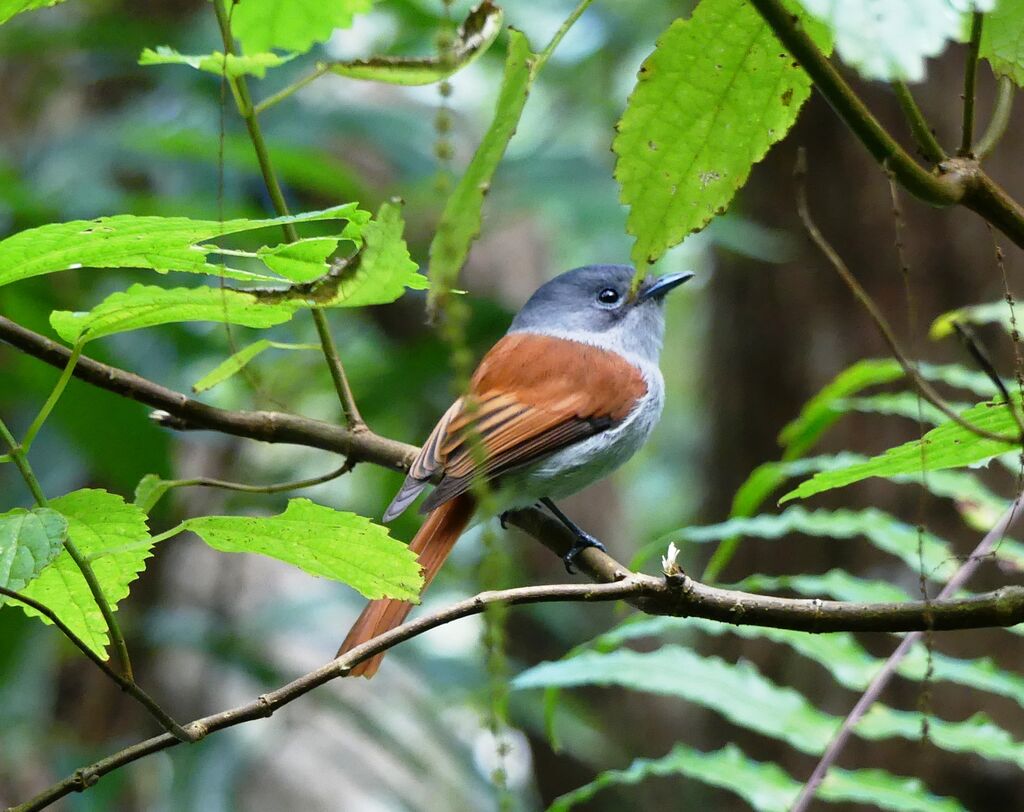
593, 304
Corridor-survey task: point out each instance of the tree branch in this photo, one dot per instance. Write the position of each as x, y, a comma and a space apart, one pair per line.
959, 180
927, 144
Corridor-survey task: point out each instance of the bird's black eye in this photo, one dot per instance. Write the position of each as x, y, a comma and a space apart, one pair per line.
608, 296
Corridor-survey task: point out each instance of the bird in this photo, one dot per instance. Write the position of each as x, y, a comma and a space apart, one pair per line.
570, 392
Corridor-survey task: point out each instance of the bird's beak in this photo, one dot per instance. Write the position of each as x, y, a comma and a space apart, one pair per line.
657, 288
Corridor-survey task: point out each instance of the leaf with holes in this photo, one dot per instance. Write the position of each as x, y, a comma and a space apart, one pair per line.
29, 541
716, 93
148, 306
114, 538
252, 64
300, 261
327, 543
125, 241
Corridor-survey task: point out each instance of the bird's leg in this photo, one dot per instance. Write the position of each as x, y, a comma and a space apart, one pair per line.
583, 538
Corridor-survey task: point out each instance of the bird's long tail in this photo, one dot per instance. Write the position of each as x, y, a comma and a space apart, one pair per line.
432, 544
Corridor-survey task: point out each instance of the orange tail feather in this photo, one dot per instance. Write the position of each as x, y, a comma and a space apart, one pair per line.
432, 544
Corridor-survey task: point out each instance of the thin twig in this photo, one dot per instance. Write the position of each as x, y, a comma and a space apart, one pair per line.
51, 401
130, 687
281, 95
116, 637
970, 84
924, 136
563, 29
246, 110
1000, 119
925, 388
277, 487
883, 677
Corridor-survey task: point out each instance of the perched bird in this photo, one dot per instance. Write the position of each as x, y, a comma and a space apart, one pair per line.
569, 393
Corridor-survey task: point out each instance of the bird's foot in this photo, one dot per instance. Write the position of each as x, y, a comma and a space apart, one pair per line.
583, 541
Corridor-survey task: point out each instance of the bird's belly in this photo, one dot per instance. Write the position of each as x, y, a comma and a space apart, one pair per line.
574, 468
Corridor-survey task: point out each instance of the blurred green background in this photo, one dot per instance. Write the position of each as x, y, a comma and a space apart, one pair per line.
84, 132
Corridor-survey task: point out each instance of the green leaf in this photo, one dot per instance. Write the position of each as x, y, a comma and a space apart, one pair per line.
384, 269
886, 40
29, 540
125, 241
1002, 40
473, 38
150, 490
819, 413
8, 8
883, 530
148, 306
716, 93
948, 446
323, 542
990, 313
252, 64
460, 221
235, 363
113, 537
835, 583
291, 25
301, 261
765, 786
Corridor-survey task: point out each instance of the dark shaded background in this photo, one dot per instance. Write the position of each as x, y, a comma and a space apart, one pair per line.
86, 132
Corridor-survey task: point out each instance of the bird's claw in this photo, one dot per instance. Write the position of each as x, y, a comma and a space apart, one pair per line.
583, 541
503, 520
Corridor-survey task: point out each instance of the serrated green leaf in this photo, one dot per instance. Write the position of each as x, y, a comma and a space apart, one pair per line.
716, 93
990, 313
1002, 40
948, 446
148, 306
886, 40
460, 221
114, 538
301, 261
236, 362
29, 540
474, 37
765, 786
884, 531
8, 8
384, 269
150, 490
835, 583
251, 64
291, 25
323, 542
125, 241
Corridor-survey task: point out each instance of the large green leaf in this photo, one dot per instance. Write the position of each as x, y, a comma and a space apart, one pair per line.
125, 241
460, 221
1002, 40
473, 38
8, 8
716, 93
148, 306
324, 542
252, 64
113, 537
765, 786
887, 40
292, 25
384, 269
29, 540
948, 446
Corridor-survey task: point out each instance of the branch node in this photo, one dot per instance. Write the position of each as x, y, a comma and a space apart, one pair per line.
266, 706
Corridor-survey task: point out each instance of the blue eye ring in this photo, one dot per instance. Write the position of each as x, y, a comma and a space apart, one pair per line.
608, 296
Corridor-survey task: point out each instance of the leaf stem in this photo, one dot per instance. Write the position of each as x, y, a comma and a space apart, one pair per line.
563, 29
1000, 119
970, 84
284, 93
51, 401
248, 114
116, 638
927, 144
130, 687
